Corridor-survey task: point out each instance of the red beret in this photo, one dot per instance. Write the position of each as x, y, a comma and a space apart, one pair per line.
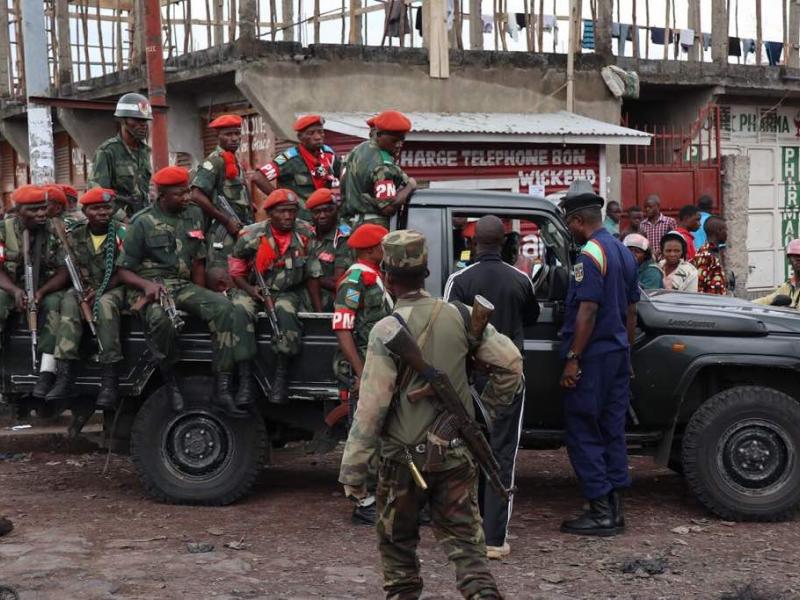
54, 192
171, 175
225, 121
367, 236
98, 195
280, 196
391, 120
29, 194
319, 197
69, 191
469, 230
371, 122
307, 121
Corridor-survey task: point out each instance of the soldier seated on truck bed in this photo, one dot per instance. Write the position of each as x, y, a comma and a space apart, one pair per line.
94, 246
49, 279
278, 249
162, 257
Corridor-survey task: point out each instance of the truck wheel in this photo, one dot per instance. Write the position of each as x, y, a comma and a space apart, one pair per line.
740, 454
197, 456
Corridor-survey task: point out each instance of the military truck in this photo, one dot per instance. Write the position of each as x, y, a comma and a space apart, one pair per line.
716, 393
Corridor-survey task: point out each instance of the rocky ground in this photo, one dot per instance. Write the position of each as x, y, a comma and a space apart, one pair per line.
85, 531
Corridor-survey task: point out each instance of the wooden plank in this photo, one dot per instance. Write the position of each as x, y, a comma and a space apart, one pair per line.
64, 56
475, 25
695, 52
355, 22
602, 30
759, 32
793, 56
287, 16
719, 32
5, 51
438, 50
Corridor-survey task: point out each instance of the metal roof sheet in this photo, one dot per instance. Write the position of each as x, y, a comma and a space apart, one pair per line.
558, 127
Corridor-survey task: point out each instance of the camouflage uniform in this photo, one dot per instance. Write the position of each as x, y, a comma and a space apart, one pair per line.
12, 263
385, 414
370, 182
162, 247
332, 253
285, 279
125, 170
289, 170
96, 268
210, 179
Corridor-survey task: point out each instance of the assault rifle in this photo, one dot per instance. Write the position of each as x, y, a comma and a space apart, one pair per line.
269, 303
134, 202
454, 420
77, 282
167, 302
222, 231
30, 296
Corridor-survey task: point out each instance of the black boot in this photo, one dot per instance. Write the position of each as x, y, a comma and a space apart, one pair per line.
64, 387
598, 520
172, 389
44, 384
246, 394
365, 512
109, 388
616, 505
280, 393
223, 399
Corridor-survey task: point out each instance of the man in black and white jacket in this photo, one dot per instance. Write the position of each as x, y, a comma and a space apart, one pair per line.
512, 293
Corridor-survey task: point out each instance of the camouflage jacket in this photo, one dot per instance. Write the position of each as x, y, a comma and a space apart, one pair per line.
370, 182
361, 301
210, 179
11, 258
289, 269
124, 170
332, 253
384, 412
95, 264
162, 246
73, 217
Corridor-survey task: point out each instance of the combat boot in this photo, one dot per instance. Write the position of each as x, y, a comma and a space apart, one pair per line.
223, 399
172, 389
246, 394
109, 388
365, 512
64, 387
597, 520
279, 393
44, 383
616, 505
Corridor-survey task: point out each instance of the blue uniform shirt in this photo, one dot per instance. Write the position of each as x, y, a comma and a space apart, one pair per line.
605, 273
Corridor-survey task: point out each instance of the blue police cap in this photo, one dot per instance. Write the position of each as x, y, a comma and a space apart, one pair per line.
580, 195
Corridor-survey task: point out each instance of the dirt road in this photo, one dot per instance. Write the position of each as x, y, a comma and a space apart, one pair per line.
84, 535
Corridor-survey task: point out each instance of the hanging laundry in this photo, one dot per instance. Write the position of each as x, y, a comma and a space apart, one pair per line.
774, 51
748, 46
550, 23
451, 14
706, 41
396, 13
418, 21
488, 23
511, 27
734, 46
624, 35
687, 39
615, 30
657, 35
522, 22
588, 34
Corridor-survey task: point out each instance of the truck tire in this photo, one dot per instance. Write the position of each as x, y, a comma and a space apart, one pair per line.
740, 454
197, 456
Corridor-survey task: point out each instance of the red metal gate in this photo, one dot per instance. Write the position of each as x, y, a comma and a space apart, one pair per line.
680, 165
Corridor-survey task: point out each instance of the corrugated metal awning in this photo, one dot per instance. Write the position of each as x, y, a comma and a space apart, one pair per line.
549, 128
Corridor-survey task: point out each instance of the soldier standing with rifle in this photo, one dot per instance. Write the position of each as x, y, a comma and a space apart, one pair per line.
97, 298
219, 185
427, 453
31, 278
276, 252
361, 301
162, 260
122, 163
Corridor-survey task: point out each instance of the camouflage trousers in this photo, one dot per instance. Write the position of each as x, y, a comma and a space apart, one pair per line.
287, 305
71, 327
231, 339
455, 520
220, 246
48, 319
327, 300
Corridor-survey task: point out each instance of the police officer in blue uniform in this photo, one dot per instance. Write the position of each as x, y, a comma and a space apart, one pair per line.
598, 327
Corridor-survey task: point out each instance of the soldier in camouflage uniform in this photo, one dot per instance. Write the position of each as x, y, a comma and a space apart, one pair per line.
49, 278
122, 163
385, 414
308, 166
374, 187
163, 253
329, 245
73, 214
221, 174
56, 201
278, 248
94, 245
361, 301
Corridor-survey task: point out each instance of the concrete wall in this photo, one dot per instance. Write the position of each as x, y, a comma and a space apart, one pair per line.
88, 128
735, 177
